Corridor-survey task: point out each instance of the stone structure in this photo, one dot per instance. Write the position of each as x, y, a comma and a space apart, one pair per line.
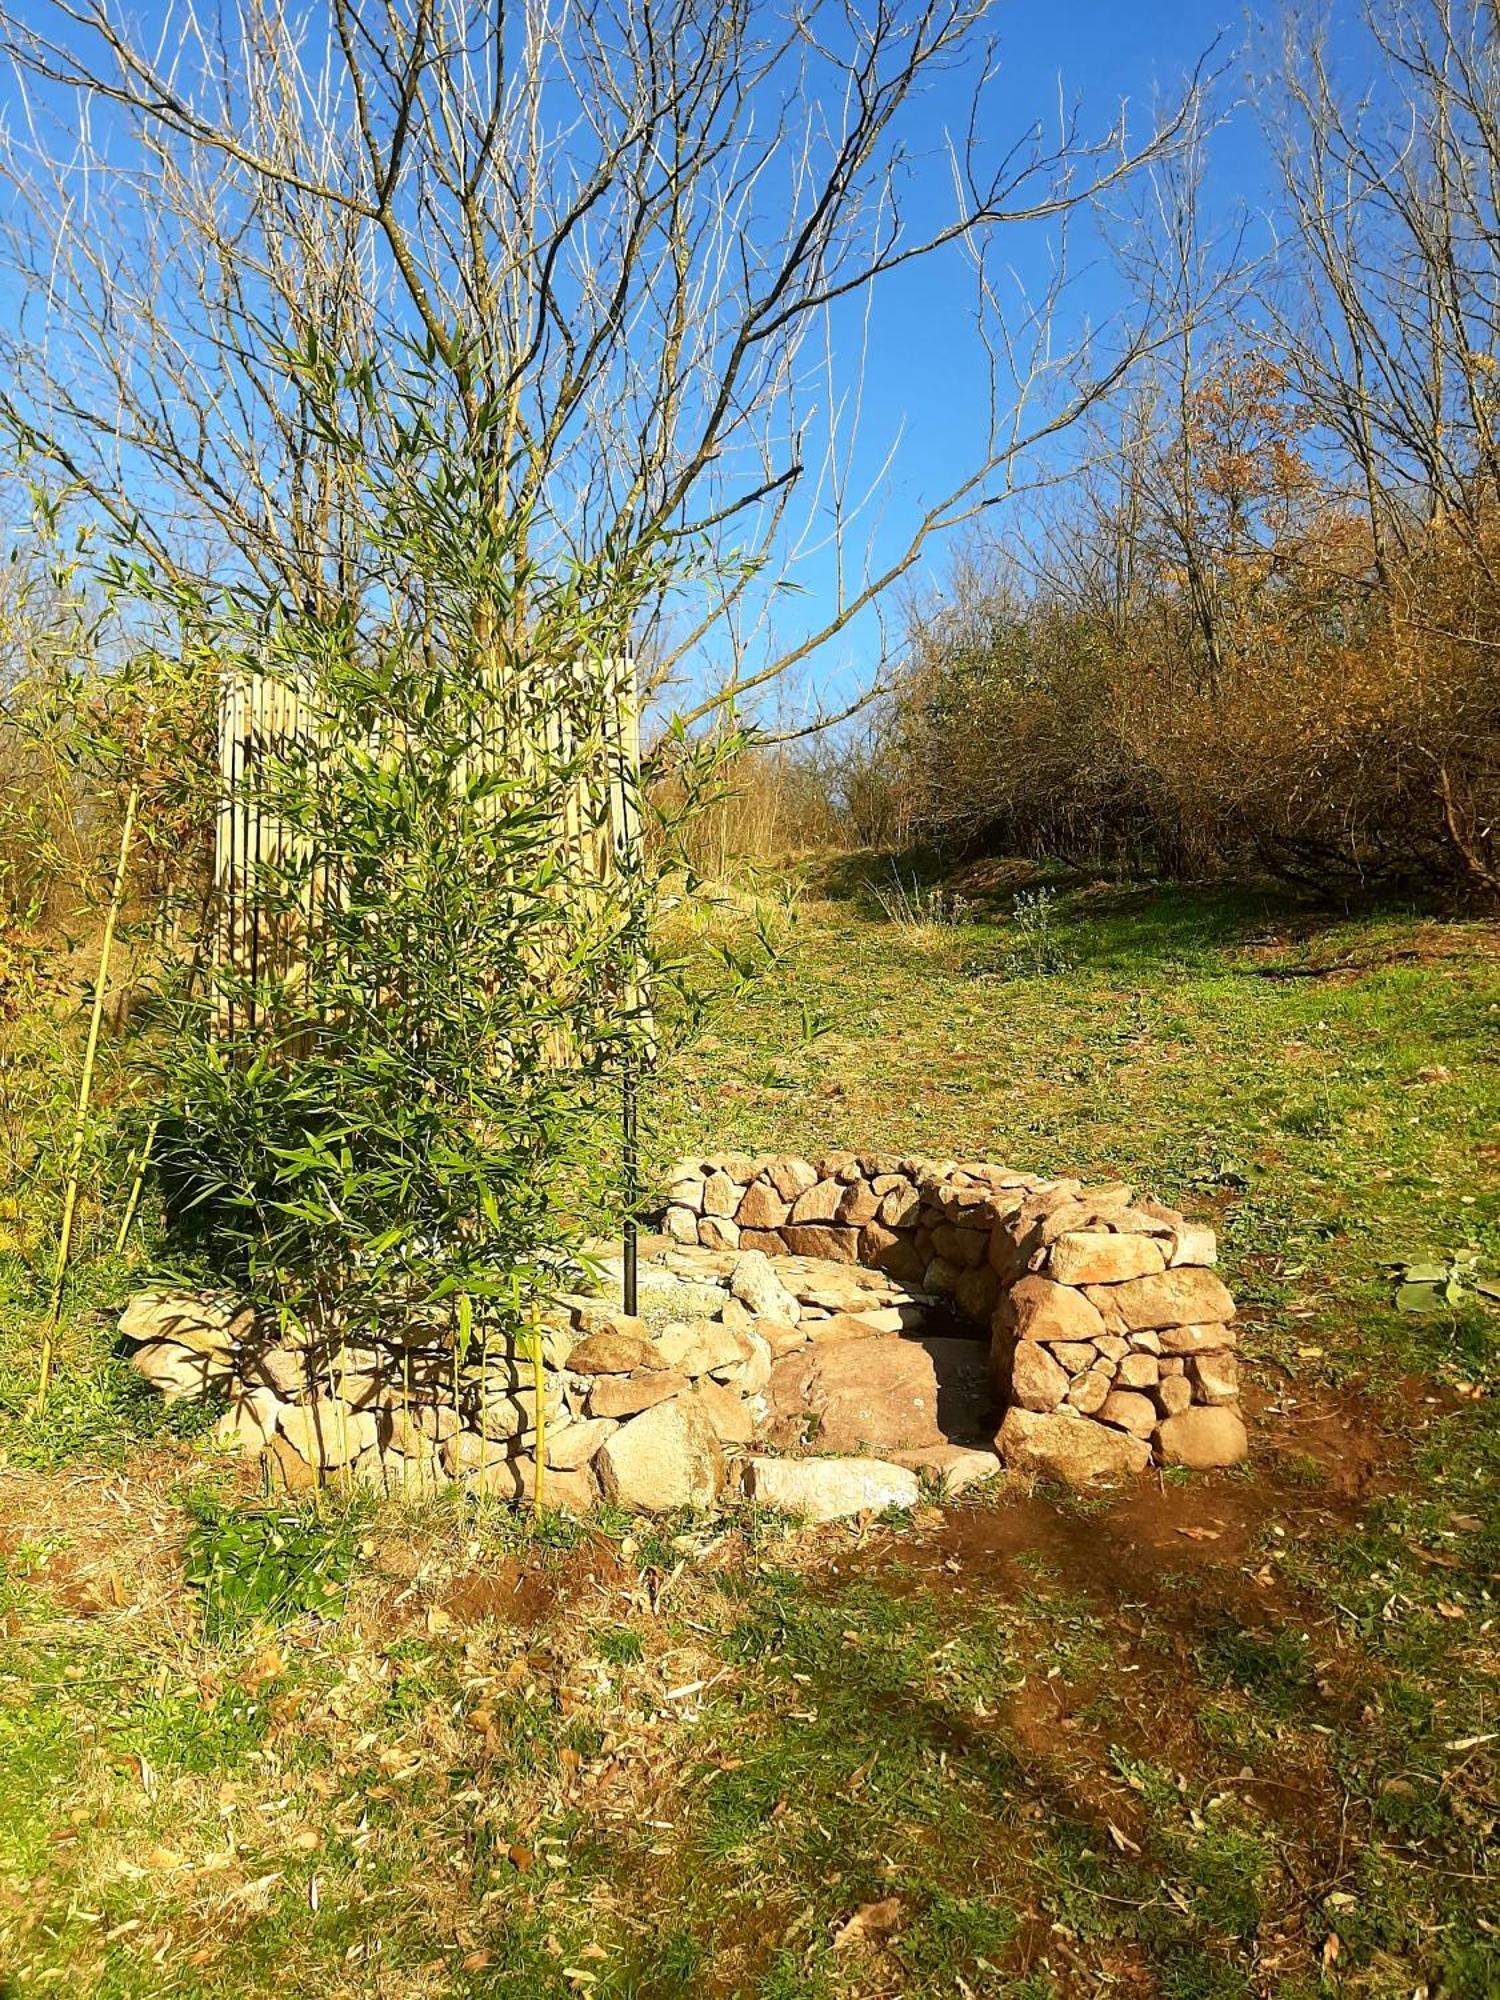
1101, 1307
808, 1332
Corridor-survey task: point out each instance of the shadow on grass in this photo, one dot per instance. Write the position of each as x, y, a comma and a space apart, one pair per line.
1005, 1860
1075, 1745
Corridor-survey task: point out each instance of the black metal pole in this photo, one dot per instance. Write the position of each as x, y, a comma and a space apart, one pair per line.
630, 1158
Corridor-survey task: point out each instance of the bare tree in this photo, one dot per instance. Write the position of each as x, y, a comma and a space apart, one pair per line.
1142, 505
1392, 318
645, 233
1392, 328
1260, 619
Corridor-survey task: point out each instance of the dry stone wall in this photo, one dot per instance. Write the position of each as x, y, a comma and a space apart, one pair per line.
1104, 1309
654, 1411
796, 1336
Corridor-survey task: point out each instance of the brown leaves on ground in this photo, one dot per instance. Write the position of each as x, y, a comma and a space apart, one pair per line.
480, 1633
874, 1921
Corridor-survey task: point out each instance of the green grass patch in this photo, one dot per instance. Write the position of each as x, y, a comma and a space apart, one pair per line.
265, 1565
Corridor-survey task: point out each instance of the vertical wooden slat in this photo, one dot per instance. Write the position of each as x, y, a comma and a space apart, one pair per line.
584, 709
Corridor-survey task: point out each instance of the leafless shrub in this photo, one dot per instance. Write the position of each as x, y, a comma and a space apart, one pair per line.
1262, 629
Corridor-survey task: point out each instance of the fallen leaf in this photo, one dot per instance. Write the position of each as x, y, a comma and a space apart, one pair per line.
266, 1666
1122, 1840
871, 1920
283, 1708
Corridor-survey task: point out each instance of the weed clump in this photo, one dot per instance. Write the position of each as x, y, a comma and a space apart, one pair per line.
268, 1566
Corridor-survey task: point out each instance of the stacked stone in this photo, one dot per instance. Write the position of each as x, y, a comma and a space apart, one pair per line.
1110, 1311
651, 1412
1103, 1309
926, 1223
782, 1312
407, 1415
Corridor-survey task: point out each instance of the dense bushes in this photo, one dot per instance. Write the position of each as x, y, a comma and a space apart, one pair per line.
1349, 734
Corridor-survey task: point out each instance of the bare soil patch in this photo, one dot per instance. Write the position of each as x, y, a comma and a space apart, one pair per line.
519, 1593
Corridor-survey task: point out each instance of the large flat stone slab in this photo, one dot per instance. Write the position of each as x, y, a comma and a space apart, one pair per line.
878, 1395
830, 1489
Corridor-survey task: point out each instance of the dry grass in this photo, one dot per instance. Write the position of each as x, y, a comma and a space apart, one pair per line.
422, 1774
768, 807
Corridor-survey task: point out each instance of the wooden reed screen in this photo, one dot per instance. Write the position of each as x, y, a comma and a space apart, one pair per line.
599, 822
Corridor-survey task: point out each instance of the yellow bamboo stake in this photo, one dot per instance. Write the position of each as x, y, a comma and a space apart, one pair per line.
136, 1185
541, 1409
81, 1114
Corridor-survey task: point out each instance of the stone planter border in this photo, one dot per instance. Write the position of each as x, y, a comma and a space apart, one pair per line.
1110, 1342
1101, 1305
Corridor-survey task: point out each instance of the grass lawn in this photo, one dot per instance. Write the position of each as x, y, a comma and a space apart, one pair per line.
1231, 1735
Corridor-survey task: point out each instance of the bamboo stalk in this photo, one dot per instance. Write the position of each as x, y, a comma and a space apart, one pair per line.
460, 1356
138, 1182
81, 1114
541, 1408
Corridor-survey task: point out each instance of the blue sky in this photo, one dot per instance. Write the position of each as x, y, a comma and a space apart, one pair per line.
923, 380
923, 383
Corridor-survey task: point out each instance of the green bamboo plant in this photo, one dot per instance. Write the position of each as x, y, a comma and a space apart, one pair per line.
397, 1090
